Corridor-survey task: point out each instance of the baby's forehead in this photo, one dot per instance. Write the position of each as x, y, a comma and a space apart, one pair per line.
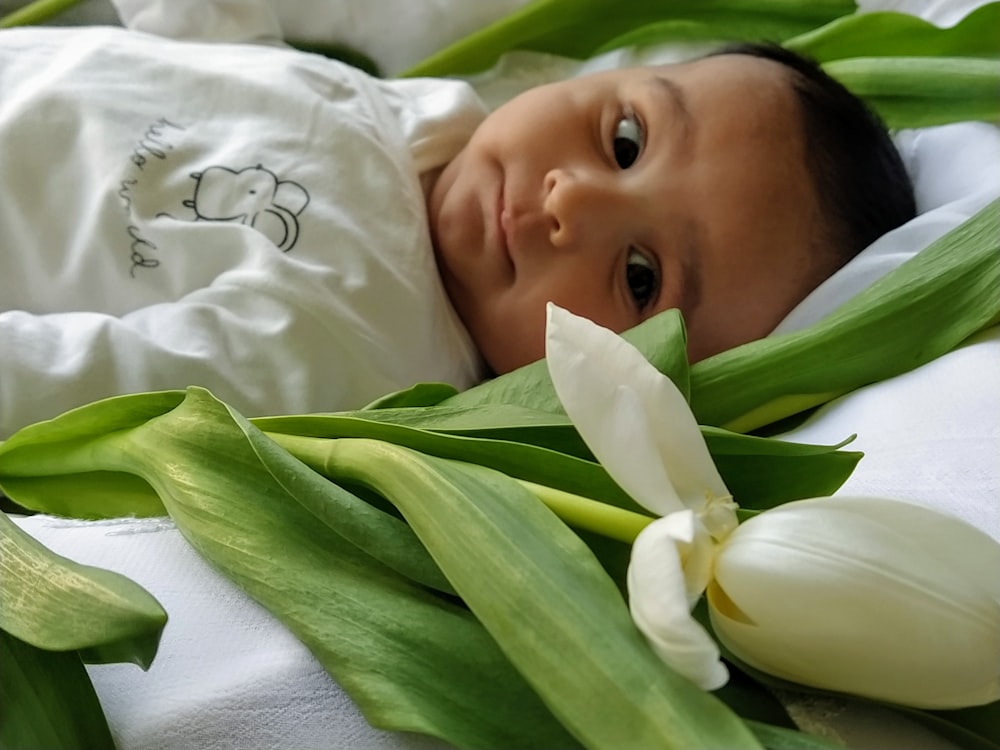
734, 69
734, 75
727, 78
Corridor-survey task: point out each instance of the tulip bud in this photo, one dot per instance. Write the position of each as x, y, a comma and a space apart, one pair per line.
873, 597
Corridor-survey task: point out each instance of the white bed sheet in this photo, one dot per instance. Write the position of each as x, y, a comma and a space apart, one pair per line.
228, 675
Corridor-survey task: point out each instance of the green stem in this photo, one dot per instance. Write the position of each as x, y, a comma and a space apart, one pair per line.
577, 511
35, 13
590, 515
779, 408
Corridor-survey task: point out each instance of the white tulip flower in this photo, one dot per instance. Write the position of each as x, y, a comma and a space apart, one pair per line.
638, 425
872, 597
868, 596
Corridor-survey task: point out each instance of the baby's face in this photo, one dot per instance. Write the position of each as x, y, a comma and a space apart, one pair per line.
622, 194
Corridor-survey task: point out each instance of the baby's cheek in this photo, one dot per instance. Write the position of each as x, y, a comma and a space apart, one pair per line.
513, 343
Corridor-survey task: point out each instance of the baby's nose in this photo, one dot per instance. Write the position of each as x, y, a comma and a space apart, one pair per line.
580, 207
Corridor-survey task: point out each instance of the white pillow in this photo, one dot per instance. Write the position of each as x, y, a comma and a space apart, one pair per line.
955, 171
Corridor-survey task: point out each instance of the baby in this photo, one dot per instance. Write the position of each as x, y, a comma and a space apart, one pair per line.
727, 187
299, 237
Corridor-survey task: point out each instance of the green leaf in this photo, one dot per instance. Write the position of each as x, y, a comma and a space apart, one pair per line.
744, 25
889, 34
764, 473
35, 13
410, 658
421, 394
508, 422
94, 420
915, 74
54, 603
528, 386
48, 700
919, 92
48, 467
780, 738
544, 598
532, 446
574, 29
352, 518
88, 494
662, 339
919, 311
252, 510
670, 349
520, 460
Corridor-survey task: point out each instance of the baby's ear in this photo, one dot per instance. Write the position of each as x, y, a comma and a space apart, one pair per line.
196, 175
188, 203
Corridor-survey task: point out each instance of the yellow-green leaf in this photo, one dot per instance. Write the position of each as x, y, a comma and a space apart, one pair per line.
54, 603
890, 34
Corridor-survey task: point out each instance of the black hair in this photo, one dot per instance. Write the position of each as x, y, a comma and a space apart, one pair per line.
861, 183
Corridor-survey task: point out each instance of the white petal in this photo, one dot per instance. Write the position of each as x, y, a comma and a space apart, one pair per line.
659, 595
868, 596
632, 417
608, 414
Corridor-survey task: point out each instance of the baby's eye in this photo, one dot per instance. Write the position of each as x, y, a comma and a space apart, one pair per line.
628, 140
642, 274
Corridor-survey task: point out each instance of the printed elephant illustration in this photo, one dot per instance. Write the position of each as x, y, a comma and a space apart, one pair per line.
253, 196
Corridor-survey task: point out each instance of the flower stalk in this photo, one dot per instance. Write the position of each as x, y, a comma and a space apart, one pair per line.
591, 515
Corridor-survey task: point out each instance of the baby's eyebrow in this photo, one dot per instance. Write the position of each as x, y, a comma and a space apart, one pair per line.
674, 98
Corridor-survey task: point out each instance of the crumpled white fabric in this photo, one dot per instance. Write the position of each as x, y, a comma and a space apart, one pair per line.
203, 20
396, 34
